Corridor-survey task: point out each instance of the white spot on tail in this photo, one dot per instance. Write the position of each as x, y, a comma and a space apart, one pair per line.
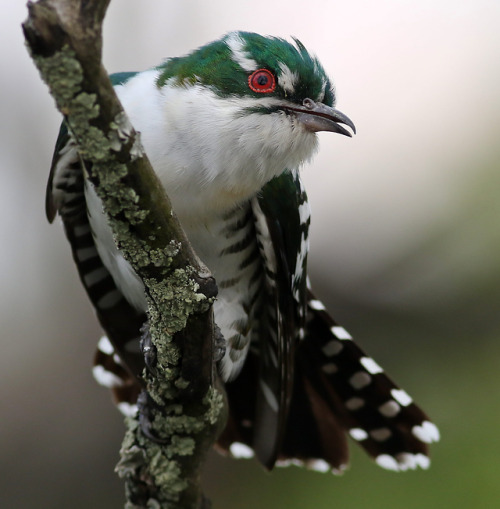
380, 434
340, 470
236, 44
389, 409
317, 305
329, 368
387, 462
318, 465
127, 409
427, 432
105, 346
402, 397
340, 332
422, 461
354, 404
370, 365
360, 380
106, 378
406, 461
239, 450
358, 434
332, 348
403, 461
289, 462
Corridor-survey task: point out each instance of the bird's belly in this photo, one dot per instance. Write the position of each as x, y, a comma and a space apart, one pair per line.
227, 245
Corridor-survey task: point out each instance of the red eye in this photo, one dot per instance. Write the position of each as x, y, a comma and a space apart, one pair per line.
262, 81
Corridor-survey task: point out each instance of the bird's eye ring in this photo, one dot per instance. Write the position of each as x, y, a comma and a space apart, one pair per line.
262, 81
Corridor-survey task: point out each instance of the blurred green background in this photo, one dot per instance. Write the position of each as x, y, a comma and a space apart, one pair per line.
405, 250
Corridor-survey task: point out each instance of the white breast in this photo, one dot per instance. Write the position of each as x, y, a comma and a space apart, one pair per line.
212, 159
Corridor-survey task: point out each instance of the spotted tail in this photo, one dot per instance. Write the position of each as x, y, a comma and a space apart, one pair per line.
344, 386
338, 392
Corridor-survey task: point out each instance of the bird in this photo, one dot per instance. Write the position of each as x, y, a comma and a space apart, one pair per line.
227, 129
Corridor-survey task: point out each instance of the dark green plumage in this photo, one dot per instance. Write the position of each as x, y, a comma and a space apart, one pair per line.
213, 66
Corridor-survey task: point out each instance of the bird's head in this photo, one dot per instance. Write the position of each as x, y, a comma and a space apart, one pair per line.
238, 112
270, 73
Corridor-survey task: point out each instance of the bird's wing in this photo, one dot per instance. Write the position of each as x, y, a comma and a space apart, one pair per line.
65, 195
282, 218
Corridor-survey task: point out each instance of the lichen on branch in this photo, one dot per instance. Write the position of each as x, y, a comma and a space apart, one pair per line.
186, 410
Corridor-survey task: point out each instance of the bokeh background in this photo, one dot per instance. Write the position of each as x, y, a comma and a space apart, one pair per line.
405, 249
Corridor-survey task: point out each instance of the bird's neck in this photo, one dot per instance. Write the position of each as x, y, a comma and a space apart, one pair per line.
211, 153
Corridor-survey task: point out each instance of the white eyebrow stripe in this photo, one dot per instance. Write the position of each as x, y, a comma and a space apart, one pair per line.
236, 44
287, 79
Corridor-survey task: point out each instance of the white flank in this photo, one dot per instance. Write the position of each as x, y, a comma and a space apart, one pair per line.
236, 44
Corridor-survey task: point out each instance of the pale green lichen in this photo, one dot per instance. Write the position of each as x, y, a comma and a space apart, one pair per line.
215, 402
177, 295
168, 476
63, 74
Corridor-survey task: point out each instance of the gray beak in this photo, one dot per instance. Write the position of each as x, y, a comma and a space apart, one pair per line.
320, 117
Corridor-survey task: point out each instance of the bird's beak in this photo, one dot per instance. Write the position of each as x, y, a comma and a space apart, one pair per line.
320, 117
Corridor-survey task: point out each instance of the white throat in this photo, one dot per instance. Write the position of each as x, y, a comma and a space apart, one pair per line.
209, 152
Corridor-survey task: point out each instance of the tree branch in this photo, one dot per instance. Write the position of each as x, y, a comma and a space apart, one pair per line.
185, 409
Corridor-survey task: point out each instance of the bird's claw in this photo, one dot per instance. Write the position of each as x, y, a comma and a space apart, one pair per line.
148, 349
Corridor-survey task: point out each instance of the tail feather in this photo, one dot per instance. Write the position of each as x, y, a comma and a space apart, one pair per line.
338, 391
366, 402
314, 434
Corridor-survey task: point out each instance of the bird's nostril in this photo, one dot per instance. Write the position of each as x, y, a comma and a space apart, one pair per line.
308, 103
